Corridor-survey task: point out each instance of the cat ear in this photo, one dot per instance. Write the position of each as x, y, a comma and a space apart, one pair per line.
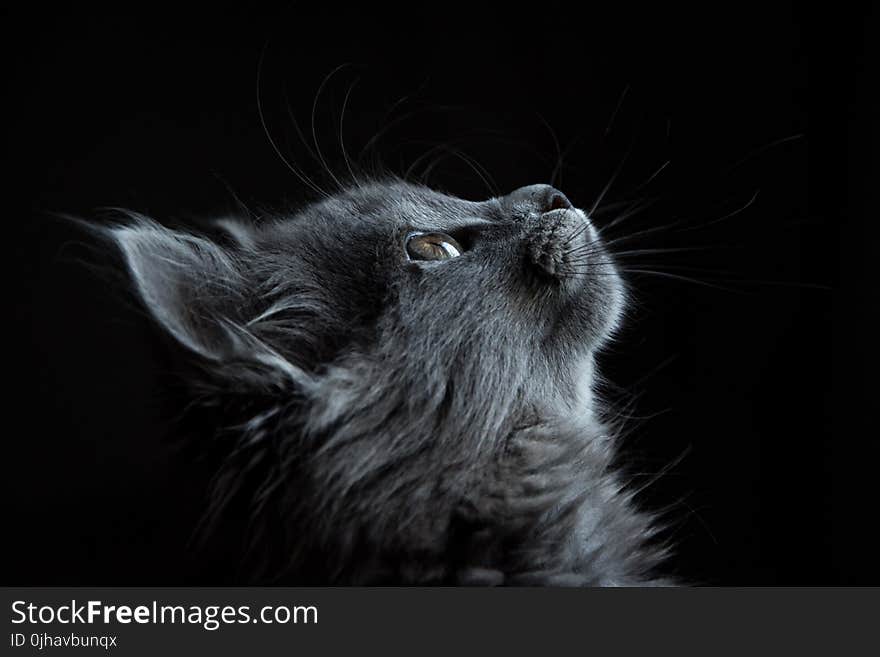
179, 277
198, 293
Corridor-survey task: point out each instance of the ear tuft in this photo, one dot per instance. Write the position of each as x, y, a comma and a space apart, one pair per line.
236, 231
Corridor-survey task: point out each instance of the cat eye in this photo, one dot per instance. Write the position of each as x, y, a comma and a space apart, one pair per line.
432, 246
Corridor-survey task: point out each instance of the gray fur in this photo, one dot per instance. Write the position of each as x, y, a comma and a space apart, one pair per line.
389, 421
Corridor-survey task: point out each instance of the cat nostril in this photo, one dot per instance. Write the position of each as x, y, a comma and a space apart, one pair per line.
540, 199
558, 201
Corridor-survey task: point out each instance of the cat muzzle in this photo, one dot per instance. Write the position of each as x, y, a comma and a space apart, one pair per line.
559, 243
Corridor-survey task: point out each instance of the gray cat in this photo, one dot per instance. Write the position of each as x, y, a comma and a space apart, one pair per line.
399, 386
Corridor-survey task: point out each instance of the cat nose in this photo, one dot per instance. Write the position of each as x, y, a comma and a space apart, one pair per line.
545, 198
557, 243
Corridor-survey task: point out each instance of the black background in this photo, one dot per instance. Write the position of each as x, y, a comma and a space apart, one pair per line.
747, 393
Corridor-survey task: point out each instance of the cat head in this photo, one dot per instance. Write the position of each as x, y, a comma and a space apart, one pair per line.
383, 341
394, 272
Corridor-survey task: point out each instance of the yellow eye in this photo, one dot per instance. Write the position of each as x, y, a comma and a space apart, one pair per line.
432, 246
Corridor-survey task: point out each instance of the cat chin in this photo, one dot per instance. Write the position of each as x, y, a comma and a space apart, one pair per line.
580, 403
570, 396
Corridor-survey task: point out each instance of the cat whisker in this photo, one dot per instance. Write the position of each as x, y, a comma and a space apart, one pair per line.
582, 252
577, 233
593, 268
678, 277
387, 128
652, 176
591, 248
241, 204
341, 133
636, 209
556, 173
680, 249
450, 151
296, 126
642, 233
611, 180
296, 172
389, 125
763, 148
426, 174
588, 266
324, 82
415, 163
608, 207
752, 281
480, 170
616, 110
725, 217
616, 173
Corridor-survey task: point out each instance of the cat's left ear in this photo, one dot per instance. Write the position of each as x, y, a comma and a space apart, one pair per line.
199, 294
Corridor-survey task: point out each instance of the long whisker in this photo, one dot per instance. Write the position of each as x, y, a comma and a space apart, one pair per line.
608, 207
573, 271
793, 284
405, 117
383, 131
326, 79
638, 208
727, 216
450, 151
481, 171
341, 132
583, 264
415, 163
426, 173
677, 277
672, 249
652, 176
763, 148
296, 126
641, 233
241, 205
387, 126
616, 110
301, 176
557, 168
613, 176
577, 233
589, 249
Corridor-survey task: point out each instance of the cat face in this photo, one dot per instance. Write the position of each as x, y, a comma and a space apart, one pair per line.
444, 281
382, 344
